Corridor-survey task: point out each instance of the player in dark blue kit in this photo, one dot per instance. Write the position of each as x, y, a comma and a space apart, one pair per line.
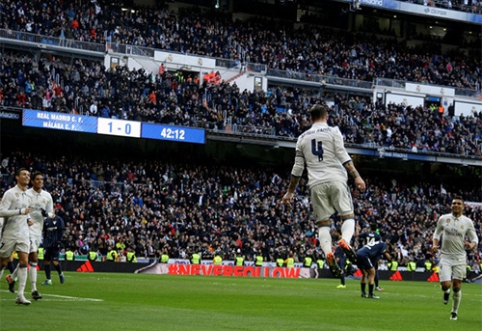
369, 237
340, 258
53, 231
367, 258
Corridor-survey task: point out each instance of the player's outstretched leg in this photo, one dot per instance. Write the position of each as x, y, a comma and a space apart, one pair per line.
335, 269
349, 251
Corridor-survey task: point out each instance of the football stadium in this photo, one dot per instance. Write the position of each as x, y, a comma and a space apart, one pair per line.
241, 165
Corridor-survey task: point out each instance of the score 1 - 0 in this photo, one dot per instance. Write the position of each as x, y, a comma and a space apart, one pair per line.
121, 128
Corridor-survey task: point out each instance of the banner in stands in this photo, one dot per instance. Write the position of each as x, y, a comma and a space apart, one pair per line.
387, 4
227, 270
186, 60
9, 115
466, 108
435, 12
407, 100
473, 204
417, 9
430, 89
268, 272
474, 18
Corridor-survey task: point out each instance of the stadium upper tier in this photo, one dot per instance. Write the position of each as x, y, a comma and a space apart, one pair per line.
87, 87
310, 49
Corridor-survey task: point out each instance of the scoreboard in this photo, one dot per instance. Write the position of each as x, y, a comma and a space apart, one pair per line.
111, 126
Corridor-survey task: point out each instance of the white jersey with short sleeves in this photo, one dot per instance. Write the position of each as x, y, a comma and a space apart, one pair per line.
15, 226
42, 200
321, 150
453, 231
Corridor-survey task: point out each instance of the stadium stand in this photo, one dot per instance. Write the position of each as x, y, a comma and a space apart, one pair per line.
154, 205
87, 88
309, 49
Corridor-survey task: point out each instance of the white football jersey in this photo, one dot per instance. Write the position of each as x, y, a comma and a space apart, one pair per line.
15, 226
322, 151
42, 200
453, 231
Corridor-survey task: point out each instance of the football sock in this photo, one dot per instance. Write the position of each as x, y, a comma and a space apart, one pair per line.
22, 279
14, 273
58, 268
33, 276
456, 300
11, 266
363, 287
347, 229
324, 236
47, 271
1, 273
370, 288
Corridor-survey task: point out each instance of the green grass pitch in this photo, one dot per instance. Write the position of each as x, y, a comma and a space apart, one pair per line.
107, 301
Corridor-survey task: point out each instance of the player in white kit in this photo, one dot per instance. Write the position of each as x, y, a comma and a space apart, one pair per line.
41, 207
321, 151
14, 209
454, 228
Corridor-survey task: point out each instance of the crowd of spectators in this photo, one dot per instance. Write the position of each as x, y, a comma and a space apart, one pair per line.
309, 49
88, 88
155, 206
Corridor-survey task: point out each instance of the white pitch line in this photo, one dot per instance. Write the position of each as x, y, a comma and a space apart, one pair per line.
72, 298
65, 297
